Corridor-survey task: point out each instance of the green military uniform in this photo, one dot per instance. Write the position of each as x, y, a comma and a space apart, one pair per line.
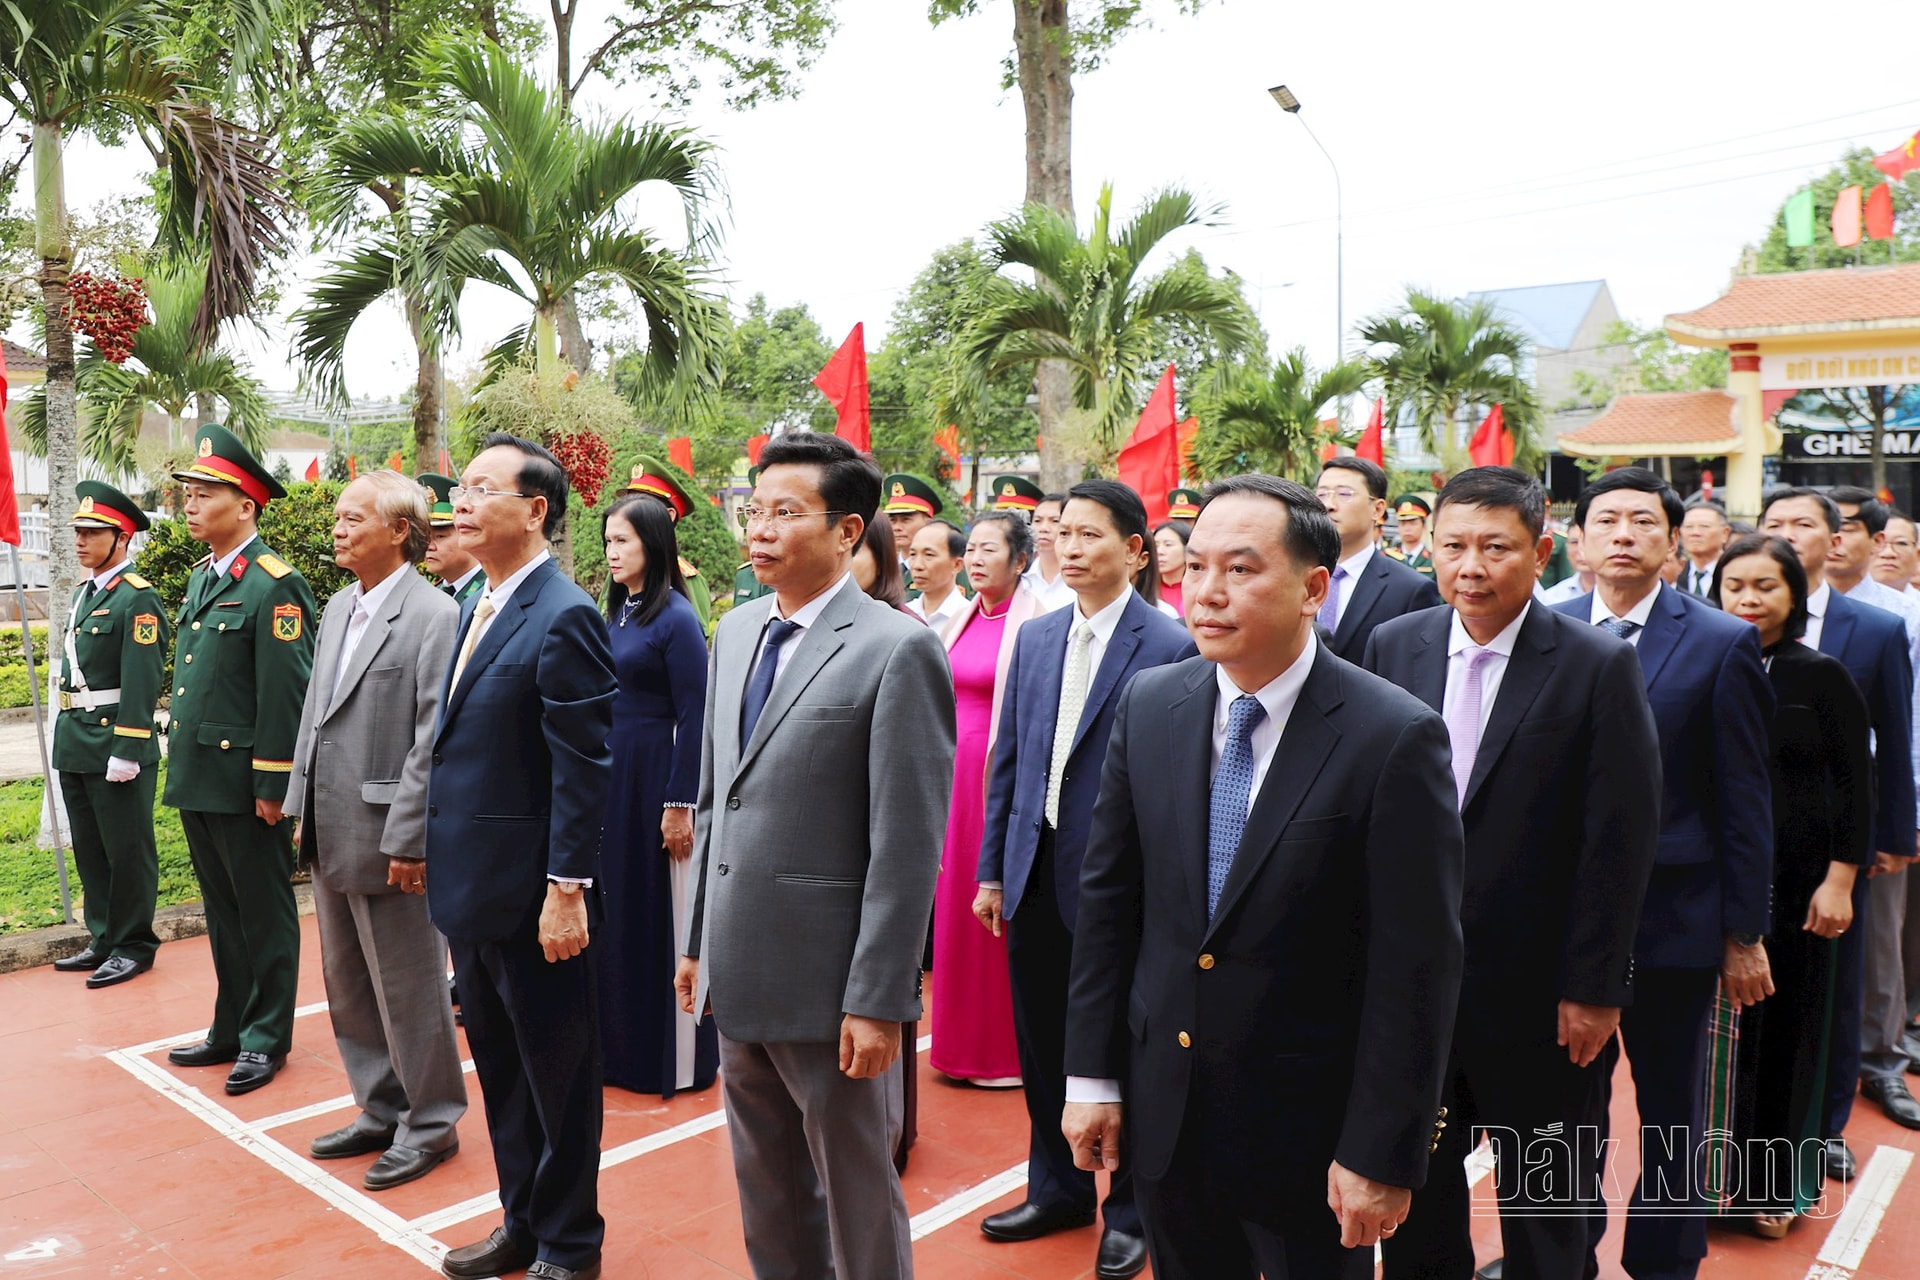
113, 661
1016, 493
1413, 507
1559, 563
244, 651
440, 515
745, 586
654, 480
1183, 504
908, 494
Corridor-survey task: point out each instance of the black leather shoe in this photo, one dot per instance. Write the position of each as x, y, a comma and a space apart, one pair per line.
1910, 1045
251, 1070
204, 1054
350, 1141
1894, 1099
1494, 1270
1031, 1221
494, 1256
1121, 1255
404, 1164
81, 962
115, 970
554, 1271
1840, 1160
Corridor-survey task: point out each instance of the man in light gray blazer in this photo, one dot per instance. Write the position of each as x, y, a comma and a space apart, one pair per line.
359, 785
824, 786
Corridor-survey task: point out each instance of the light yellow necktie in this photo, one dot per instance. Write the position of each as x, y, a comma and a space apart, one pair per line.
1073, 700
481, 612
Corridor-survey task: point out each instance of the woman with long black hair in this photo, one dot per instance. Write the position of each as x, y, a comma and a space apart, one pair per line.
660, 656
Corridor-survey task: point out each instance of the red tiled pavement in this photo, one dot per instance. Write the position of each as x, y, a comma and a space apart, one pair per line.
103, 1173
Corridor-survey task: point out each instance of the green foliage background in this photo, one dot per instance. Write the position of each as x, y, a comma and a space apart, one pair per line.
299, 527
29, 881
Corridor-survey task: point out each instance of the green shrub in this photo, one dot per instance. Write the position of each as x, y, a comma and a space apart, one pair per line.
29, 881
299, 527
14, 654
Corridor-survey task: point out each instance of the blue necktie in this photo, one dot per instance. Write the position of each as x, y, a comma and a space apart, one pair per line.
760, 688
1330, 610
1232, 794
1618, 628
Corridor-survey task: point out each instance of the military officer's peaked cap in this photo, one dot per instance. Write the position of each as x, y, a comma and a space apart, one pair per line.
440, 497
104, 507
1016, 493
1183, 504
1412, 507
220, 458
650, 477
909, 493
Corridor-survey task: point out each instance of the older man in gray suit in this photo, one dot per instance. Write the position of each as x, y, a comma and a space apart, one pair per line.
816, 842
360, 782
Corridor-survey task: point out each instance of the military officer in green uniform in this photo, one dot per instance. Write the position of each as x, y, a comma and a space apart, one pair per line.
1183, 505
745, 586
1413, 514
1016, 493
909, 503
446, 559
650, 478
243, 653
113, 659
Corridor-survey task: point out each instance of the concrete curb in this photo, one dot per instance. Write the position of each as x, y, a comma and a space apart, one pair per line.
56, 942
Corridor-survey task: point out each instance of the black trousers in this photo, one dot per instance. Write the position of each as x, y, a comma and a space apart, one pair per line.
1039, 963
1849, 1005
114, 852
245, 870
534, 1030
1544, 1116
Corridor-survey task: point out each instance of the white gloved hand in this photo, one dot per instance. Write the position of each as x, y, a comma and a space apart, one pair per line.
119, 770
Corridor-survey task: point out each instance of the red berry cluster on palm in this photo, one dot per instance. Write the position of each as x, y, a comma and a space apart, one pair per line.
587, 459
108, 309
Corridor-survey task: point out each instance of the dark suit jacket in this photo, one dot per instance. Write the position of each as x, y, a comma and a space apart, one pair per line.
521, 765
1873, 645
1310, 1018
1385, 589
1023, 755
1560, 829
1713, 874
1822, 776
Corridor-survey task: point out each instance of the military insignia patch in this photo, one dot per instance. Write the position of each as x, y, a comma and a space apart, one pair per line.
287, 622
146, 629
206, 448
86, 506
899, 490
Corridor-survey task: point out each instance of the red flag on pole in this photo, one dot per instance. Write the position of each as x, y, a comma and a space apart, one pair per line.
446, 464
353, 468
1846, 217
680, 453
1150, 460
313, 469
947, 440
844, 382
395, 461
1492, 445
754, 446
1898, 162
1879, 216
1372, 444
9, 504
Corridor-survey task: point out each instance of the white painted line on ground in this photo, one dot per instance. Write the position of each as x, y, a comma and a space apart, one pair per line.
923, 1044
194, 1037
319, 1109
951, 1211
1867, 1201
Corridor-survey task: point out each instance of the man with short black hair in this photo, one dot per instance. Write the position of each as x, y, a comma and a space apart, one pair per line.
1367, 587
1043, 578
1704, 533
936, 557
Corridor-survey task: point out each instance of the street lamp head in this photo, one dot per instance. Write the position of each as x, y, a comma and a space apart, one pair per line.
1284, 96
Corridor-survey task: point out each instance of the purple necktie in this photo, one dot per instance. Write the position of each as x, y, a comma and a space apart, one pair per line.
1463, 721
1330, 611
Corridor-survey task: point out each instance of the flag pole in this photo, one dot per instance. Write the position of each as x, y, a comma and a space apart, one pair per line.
40, 733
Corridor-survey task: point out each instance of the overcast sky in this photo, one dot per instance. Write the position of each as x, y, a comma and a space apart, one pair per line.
1488, 145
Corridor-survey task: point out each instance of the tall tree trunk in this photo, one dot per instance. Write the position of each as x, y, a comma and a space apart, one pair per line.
426, 390
205, 410
1043, 61
574, 347
53, 242
546, 363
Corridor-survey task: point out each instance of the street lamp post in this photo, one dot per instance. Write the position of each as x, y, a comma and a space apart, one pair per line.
1291, 105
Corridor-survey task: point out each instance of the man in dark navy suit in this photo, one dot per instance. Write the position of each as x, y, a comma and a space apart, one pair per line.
1873, 645
514, 805
1068, 672
1368, 586
1708, 902
1555, 757
1268, 946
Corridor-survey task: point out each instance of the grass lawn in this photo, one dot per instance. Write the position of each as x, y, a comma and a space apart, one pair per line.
29, 883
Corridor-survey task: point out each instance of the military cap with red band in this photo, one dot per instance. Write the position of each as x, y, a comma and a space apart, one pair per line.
104, 507
220, 458
650, 477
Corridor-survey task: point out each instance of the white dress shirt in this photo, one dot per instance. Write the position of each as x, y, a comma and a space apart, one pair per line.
1560, 592
939, 618
803, 617
1355, 565
1637, 615
460, 584
1053, 595
1816, 614
1698, 582
1278, 696
365, 604
1492, 670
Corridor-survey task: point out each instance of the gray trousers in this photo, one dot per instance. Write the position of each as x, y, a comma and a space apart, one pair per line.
813, 1154
1910, 943
386, 973
1885, 1013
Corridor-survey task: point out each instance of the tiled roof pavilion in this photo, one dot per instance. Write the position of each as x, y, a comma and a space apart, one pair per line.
1677, 424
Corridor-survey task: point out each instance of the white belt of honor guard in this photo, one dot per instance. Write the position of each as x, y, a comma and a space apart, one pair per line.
89, 699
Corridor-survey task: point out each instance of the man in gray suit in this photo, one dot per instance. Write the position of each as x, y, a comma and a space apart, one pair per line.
360, 780
816, 845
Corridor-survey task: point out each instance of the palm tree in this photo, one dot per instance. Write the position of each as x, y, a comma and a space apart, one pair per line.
170, 368
1444, 360
510, 189
1254, 418
1089, 306
99, 66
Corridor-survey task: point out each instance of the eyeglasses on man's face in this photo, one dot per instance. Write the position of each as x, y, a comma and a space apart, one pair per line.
778, 517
